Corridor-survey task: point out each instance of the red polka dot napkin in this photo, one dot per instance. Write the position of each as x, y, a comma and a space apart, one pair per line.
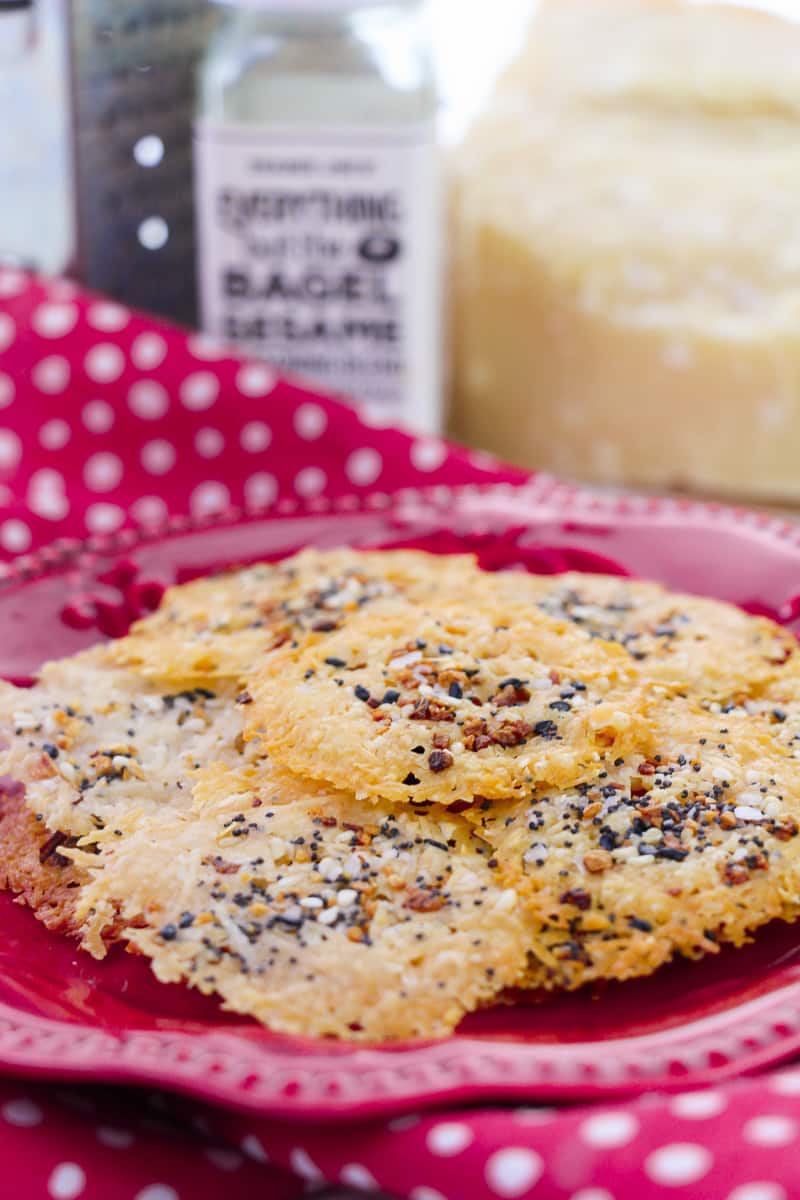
107, 420
110, 420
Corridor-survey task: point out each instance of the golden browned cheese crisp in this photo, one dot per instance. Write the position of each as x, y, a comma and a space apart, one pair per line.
691, 847
361, 794
442, 705
311, 911
409, 899
222, 626
709, 649
32, 864
91, 739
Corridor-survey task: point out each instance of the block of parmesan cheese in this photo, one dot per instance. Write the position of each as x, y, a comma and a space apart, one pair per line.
626, 250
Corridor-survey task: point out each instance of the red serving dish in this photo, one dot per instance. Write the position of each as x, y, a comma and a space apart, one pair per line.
63, 1015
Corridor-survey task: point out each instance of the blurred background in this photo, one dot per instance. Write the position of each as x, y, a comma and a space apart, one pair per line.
566, 232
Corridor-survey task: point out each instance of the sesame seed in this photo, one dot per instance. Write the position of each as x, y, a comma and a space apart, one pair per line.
745, 812
351, 867
329, 869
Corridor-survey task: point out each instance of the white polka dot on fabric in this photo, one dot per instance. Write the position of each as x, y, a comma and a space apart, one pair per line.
108, 318
66, 1181
103, 471
310, 481
97, 416
15, 536
114, 1138
51, 375
104, 363
202, 346
448, 1138
310, 422
513, 1171
354, 1175
786, 1083
678, 1164
10, 449
12, 282
255, 379
428, 454
148, 351
303, 1165
375, 416
46, 496
697, 1106
157, 1191
208, 442
209, 497
758, 1191
363, 466
6, 390
23, 1113
54, 320
251, 1146
425, 1193
8, 331
255, 436
199, 391
55, 434
260, 490
149, 510
158, 456
104, 518
223, 1158
606, 1130
769, 1130
592, 1193
148, 400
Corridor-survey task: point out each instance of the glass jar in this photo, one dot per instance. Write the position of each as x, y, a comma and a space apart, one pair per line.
318, 197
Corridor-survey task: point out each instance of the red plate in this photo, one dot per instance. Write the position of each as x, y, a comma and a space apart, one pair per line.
64, 1015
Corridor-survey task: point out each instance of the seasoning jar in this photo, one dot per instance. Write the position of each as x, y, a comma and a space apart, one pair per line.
317, 185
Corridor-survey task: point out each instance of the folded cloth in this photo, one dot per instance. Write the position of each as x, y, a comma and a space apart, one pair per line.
108, 420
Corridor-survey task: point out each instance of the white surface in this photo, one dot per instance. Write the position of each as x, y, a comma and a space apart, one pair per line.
470, 47
34, 161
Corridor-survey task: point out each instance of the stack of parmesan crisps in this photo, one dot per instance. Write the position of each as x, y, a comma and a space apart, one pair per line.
360, 794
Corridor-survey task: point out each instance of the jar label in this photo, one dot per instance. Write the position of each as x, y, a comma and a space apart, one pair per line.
320, 251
